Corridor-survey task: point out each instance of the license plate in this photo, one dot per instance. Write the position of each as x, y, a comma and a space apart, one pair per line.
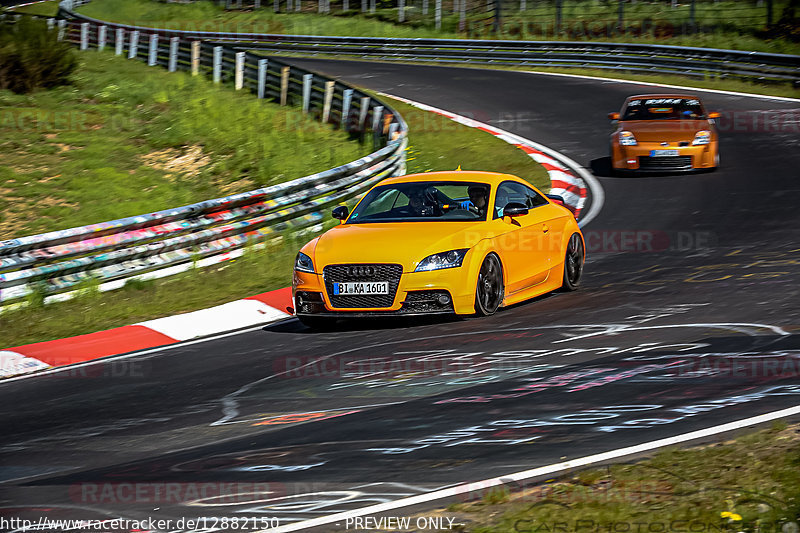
664, 153
361, 287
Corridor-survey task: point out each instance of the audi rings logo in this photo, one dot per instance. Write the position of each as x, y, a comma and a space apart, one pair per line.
361, 271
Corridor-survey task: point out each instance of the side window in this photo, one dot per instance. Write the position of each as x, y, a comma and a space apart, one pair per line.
509, 191
535, 199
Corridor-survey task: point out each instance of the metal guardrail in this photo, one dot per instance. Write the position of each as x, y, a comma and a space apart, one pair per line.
61, 260
639, 58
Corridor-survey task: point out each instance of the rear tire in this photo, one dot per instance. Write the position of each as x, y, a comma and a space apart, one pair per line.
490, 289
573, 263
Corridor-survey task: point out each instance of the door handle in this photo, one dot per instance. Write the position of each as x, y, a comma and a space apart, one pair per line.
545, 228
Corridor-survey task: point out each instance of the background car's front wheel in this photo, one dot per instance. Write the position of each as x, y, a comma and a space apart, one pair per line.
573, 263
489, 292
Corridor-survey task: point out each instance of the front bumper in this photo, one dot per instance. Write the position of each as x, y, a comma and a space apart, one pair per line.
445, 291
641, 157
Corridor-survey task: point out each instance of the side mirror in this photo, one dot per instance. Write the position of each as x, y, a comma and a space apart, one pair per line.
557, 198
613, 116
515, 209
713, 114
340, 212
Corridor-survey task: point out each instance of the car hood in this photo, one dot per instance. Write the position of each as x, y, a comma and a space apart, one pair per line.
405, 243
664, 130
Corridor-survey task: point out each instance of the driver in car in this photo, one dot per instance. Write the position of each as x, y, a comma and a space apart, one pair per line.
477, 199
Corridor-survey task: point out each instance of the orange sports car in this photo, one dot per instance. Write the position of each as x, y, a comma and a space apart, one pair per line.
441, 242
664, 133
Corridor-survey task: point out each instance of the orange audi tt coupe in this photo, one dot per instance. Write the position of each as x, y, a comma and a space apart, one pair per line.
441, 242
664, 133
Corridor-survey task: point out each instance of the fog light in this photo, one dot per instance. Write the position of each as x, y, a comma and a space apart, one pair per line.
444, 299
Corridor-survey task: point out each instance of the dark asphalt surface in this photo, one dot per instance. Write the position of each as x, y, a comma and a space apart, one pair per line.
695, 331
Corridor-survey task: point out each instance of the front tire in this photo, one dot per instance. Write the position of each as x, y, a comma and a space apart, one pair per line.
573, 263
490, 289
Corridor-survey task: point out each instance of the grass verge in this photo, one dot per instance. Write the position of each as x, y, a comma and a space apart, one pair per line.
750, 484
147, 139
436, 143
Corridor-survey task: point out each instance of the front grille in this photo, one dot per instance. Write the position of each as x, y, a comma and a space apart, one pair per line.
339, 274
679, 162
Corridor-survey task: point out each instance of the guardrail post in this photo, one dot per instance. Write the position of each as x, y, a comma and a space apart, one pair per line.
262, 77
101, 38
62, 29
217, 64
438, 14
195, 58
119, 42
289, 6
558, 17
152, 56
84, 36
298, 5
307, 78
284, 84
174, 43
363, 6
401, 11
51, 23
392, 130
362, 113
522, 5
326, 105
276, 6
347, 97
377, 112
239, 74
424, 7
320, 6
133, 47
257, 4
345, 5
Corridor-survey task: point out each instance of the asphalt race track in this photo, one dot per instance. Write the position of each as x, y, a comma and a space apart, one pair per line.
687, 318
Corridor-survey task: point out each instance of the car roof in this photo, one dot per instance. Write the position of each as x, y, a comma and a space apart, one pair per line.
663, 95
491, 178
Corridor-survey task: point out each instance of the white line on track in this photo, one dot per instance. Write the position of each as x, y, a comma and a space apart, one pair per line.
654, 84
535, 472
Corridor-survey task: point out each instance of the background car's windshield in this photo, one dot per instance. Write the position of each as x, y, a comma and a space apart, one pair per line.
423, 201
664, 109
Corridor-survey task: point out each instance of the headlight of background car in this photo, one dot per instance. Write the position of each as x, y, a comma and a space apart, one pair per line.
702, 137
450, 259
626, 138
303, 263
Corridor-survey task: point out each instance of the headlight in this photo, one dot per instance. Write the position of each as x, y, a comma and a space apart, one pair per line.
626, 138
702, 137
303, 263
450, 259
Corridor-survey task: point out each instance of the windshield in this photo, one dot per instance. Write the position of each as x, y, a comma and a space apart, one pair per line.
664, 109
423, 201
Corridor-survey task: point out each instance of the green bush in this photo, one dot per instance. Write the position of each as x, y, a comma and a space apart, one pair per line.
31, 56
